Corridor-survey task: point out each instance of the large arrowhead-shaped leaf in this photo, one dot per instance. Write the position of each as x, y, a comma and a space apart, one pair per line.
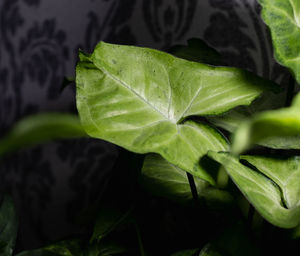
167, 180
274, 129
41, 128
273, 187
8, 227
138, 98
283, 19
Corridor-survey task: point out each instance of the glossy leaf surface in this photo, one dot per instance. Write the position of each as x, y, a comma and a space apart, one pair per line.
167, 180
283, 19
272, 188
8, 227
138, 98
41, 128
274, 129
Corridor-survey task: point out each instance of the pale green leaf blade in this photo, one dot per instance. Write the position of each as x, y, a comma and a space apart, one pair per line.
283, 19
164, 179
41, 128
8, 227
261, 189
137, 98
274, 129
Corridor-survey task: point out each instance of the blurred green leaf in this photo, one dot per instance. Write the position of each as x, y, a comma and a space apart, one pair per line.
191, 252
41, 128
108, 219
63, 248
274, 129
8, 227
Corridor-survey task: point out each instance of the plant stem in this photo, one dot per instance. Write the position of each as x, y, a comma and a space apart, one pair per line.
142, 251
290, 91
193, 187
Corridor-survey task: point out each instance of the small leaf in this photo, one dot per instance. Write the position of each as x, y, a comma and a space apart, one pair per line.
139, 98
191, 252
274, 129
108, 219
197, 50
8, 227
283, 19
272, 187
167, 180
63, 248
41, 128
234, 241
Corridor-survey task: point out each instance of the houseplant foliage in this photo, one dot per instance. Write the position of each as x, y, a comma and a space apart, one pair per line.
189, 121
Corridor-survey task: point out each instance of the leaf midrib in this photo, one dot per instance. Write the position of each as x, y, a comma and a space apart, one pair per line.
135, 93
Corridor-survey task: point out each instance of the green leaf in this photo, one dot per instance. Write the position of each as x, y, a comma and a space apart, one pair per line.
191, 252
283, 19
41, 128
8, 227
272, 185
198, 51
63, 248
108, 219
234, 241
167, 180
232, 119
138, 98
274, 129
108, 249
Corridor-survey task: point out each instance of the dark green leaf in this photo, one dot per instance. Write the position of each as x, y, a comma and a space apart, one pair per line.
272, 186
41, 128
64, 248
8, 227
107, 220
138, 98
283, 19
198, 51
165, 179
234, 241
192, 252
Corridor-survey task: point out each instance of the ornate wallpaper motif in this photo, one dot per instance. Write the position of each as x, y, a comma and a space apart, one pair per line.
39, 40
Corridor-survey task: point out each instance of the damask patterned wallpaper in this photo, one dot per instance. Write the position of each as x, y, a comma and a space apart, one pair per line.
39, 40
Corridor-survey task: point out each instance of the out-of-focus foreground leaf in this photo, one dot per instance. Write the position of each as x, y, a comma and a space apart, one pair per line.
8, 227
41, 128
274, 129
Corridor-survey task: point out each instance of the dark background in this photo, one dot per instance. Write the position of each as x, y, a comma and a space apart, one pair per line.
39, 41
